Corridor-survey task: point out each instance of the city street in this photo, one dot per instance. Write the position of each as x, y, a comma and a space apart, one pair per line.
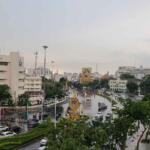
32, 146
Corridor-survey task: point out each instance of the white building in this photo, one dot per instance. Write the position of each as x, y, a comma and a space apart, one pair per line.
118, 85
12, 72
138, 73
57, 77
39, 72
75, 77
95, 75
33, 86
68, 76
71, 76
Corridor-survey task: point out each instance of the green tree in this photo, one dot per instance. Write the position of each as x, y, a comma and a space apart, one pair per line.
132, 87
23, 100
145, 85
122, 127
104, 83
5, 96
127, 76
53, 88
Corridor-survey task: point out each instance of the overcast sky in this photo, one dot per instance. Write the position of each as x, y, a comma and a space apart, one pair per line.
78, 33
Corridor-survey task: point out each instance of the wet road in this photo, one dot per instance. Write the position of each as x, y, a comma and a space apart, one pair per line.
32, 146
90, 108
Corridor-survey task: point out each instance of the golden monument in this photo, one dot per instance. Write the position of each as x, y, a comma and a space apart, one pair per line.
73, 109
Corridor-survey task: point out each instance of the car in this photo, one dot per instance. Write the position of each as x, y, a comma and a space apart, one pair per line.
114, 108
42, 148
43, 142
99, 115
3, 128
109, 116
7, 134
16, 129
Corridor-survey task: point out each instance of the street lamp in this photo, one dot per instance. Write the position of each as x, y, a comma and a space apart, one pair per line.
55, 111
44, 47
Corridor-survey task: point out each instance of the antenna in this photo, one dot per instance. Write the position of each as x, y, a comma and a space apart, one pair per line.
96, 68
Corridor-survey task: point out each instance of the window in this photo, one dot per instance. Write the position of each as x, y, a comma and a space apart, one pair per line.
4, 63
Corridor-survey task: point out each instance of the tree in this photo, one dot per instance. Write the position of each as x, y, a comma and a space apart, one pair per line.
132, 87
53, 88
122, 127
127, 76
5, 96
76, 135
104, 83
23, 100
145, 85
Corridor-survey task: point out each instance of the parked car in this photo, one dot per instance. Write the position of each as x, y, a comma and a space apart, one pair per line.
7, 134
99, 115
3, 128
102, 106
42, 148
109, 116
16, 129
43, 141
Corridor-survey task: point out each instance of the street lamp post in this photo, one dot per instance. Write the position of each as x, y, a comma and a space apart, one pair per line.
55, 111
44, 47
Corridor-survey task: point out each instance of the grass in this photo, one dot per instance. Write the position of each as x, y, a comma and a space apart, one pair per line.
12, 143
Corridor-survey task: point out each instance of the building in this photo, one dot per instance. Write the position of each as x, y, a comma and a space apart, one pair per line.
33, 87
86, 75
68, 76
39, 72
71, 76
138, 73
12, 73
95, 76
75, 77
57, 77
118, 85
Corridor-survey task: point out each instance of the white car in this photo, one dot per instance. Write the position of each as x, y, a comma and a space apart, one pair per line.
7, 134
42, 148
99, 115
3, 128
43, 142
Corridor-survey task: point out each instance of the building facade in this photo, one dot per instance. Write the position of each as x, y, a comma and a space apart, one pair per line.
118, 85
138, 73
12, 73
39, 72
33, 87
86, 75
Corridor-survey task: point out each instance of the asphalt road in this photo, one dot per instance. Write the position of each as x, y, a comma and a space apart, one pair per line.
32, 146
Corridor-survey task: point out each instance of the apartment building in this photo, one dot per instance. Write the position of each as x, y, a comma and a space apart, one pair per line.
33, 87
118, 85
12, 72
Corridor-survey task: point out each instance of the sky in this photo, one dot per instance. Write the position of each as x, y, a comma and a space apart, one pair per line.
78, 33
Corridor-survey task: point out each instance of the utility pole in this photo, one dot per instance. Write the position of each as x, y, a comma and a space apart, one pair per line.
55, 111
44, 47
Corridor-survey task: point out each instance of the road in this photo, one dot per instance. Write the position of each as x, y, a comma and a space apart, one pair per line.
32, 146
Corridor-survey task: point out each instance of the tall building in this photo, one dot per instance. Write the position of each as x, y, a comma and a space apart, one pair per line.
33, 87
138, 73
12, 72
